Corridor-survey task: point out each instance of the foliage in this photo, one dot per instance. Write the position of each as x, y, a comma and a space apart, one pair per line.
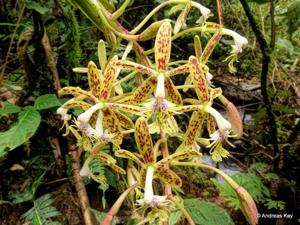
29, 120
154, 67
42, 212
204, 212
254, 184
108, 113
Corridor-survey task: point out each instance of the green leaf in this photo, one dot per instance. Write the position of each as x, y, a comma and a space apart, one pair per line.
174, 217
42, 211
285, 45
28, 122
203, 213
35, 6
46, 102
9, 108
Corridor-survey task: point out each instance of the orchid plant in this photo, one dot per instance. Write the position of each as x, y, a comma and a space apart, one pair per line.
108, 114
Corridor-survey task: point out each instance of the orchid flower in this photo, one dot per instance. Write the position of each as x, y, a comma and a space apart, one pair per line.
150, 168
101, 119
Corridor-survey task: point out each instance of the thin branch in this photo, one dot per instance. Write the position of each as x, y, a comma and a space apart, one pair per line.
79, 185
272, 19
10, 45
264, 74
51, 62
220, 13
294, 134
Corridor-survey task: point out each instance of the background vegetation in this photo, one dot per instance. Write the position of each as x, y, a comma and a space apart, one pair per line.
41, 40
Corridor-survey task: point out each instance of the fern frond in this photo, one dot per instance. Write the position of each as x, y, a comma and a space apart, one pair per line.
42, 212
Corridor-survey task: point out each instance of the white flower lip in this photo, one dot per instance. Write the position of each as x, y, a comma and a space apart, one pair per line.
85, 170
209, 77
238, 39
63, 113
160, 87
204, 11
148, 195
86, 116
222, 123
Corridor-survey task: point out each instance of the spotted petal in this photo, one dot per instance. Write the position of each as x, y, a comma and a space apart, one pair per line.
210, 124
106, 159
163, 46
112, 124
76, 91
134, 67
124, 120
108, 79
143, 140
181, 155
194, 128
178, 70
210, 46
144, 91
127, 155
127, 108
74, 103
172, 94
167, 176
215, 93
198, 79
94, 79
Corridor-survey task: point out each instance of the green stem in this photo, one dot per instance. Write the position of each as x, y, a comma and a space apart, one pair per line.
128, 77
120, 11
182, 209
156, 9
228, 179
185, 86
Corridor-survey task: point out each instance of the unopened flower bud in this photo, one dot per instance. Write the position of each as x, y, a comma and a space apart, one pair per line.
235, 119
248, 205
151, 31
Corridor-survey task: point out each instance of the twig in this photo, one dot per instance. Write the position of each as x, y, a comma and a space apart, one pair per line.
220, 13
57, 155
51, 61
10, 45
272, 19
57, 181
79, 185
165, 154
264, 73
